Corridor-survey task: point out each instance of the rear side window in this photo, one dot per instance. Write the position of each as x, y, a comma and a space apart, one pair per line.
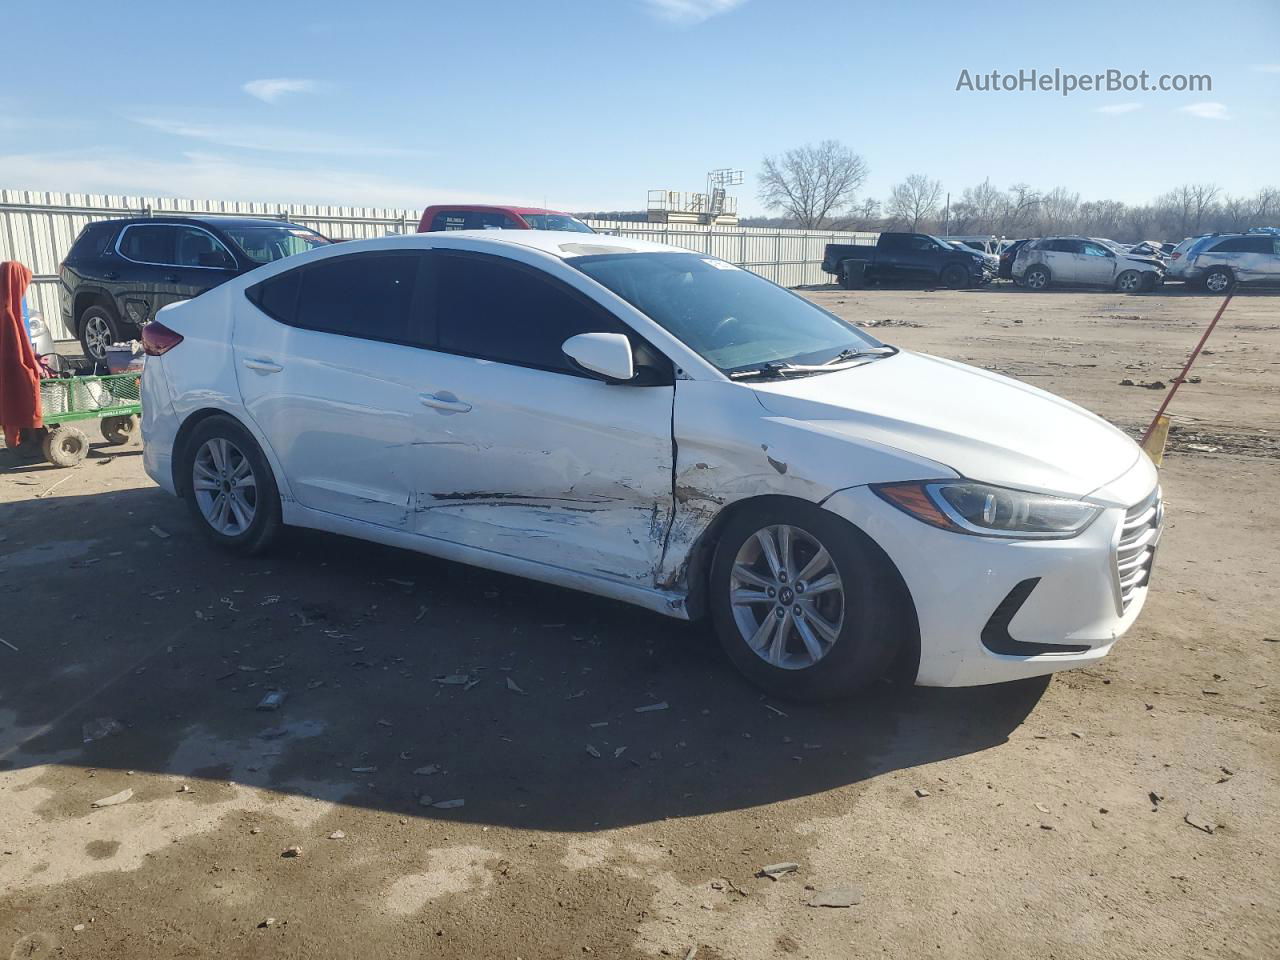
149, 243
278, 297
93, 241
498, 310
1244, 245
449, 220
366, 295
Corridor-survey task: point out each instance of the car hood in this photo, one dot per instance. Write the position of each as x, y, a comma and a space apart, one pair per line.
982, 425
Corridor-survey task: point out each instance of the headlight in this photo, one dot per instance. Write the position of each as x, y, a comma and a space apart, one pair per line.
986, 511
35, 323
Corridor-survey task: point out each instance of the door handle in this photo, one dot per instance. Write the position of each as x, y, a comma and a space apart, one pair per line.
444, 400
263, 366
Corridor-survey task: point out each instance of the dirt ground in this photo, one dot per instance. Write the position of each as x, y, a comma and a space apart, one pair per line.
1055, 816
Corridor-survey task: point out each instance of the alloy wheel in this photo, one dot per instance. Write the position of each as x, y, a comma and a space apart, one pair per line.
787, 597
97, 337
225, 487
1037, 280
1129, 281
1217, 282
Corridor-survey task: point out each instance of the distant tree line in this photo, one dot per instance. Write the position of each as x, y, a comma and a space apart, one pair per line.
816, 186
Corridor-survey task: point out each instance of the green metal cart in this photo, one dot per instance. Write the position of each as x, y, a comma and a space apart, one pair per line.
113, 400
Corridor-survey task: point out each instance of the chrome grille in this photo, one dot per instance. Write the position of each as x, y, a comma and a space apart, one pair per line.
1136, 546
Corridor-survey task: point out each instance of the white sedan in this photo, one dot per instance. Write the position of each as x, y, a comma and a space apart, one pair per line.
663, 428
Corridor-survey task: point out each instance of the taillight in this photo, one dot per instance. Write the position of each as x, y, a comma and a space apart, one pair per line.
1175, 256
157, 339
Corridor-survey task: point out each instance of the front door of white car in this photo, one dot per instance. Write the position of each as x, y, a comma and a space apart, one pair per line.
328, 372
1095, 264
525, 455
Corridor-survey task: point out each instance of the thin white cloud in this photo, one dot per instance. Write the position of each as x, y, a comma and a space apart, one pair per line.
1118, 108
689, 12
269, 139
1208, 110
1267, 67
211, 177
272, 89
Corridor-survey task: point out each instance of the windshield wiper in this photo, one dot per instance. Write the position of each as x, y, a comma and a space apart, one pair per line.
851, 354
774, 368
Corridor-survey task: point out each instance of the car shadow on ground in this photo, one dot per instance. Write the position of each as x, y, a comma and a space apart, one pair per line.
408, 677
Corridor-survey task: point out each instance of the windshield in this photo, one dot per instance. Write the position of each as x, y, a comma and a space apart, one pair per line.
263, 244
556, 221
731, 317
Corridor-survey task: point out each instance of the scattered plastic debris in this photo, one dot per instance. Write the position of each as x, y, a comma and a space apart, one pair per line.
921, 792
337, 835
162, 534
651, 707
515, 687
593, 751
1200, 823
449, 804
291, 853
272, 700
775, 870
431, 769
115, 799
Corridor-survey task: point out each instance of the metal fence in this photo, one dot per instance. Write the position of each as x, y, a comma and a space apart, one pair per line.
38, 229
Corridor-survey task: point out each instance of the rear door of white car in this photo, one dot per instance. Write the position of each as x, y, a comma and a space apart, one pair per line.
1061, 256
329, 362
522, 453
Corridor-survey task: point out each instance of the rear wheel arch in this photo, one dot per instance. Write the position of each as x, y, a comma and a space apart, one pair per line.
182, 439
85, 299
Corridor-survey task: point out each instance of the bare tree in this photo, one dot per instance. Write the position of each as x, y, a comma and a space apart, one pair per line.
1018, 210
812, 182
1058, 211
915, 200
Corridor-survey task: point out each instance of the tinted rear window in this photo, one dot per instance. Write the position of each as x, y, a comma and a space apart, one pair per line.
364, 295
93, 241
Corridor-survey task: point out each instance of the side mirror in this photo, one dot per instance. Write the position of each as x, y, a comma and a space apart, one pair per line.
606, 354
214, 258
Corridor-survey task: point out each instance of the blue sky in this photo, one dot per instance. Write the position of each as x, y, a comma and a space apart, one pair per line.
587, 104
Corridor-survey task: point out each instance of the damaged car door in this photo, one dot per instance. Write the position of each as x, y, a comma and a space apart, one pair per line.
526, 454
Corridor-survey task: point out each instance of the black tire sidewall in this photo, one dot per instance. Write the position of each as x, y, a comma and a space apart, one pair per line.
954, 276
873, 622
266, 520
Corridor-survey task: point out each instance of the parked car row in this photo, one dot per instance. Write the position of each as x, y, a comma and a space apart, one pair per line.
1217, 261
1084, 261
909, 258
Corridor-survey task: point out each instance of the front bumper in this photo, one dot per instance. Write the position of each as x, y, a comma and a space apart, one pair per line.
992, 610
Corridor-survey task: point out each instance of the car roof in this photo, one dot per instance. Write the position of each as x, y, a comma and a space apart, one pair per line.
492, 208
212, 221
558, 243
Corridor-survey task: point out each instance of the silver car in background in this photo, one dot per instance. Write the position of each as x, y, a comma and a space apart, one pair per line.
1219, 262
1084, 261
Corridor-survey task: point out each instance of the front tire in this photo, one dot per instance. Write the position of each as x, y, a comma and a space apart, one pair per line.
1129, 282
229, 486
1219, 280
804, 604
1037, 278
955, 277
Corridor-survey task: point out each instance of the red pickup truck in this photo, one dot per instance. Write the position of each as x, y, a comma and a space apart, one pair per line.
472, 217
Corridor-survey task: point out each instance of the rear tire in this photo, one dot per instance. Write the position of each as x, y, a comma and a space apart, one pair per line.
853, 274
99, 328
64, 446
1036, 278
839, 615
229, 486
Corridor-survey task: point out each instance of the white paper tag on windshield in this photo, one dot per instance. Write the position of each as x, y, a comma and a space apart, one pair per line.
719, 264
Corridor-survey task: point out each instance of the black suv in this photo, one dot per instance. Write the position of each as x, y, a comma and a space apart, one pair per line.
119, 273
